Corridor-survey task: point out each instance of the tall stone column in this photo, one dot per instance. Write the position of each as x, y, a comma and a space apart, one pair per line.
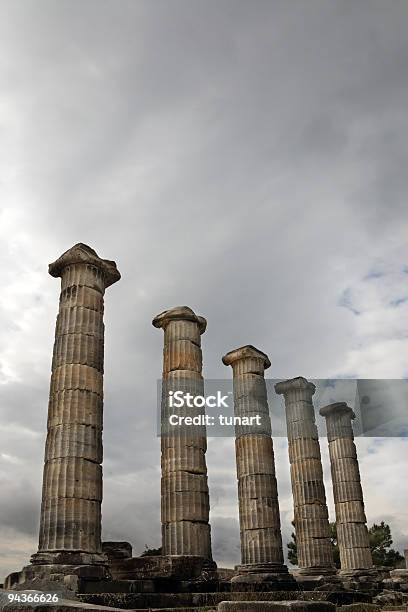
70, 524
352, 533
315, 555
261, 539
184, 490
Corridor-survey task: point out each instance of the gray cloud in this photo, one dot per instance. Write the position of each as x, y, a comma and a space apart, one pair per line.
246, 159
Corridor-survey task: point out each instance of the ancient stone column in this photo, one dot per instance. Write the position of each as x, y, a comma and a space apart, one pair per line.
315, 555
260, 530
70, 526
352, 533
184, 490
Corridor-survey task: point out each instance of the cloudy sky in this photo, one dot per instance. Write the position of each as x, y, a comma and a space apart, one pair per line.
248, 159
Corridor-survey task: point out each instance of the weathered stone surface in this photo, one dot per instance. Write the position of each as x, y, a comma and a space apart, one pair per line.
184, 490
117, 550
75, 406
185, 506
261, 539
352, 534
259, 513
133, 599
157, 567
350, 511
70, 525
309, 498
193, 536
254, 486
254, 455
264, 543
182, 458
276, 606
399, 579
359, 607
182, 355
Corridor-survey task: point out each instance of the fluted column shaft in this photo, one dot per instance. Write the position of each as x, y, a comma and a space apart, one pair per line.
261, 539
309, 498
72, 482
352, 533
184, 489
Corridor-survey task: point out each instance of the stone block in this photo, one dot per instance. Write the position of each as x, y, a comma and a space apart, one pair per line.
252, 366
311, 511
316, 552
254, 486
350, 512
177, 567
117, 550
306, 470
347, 491
345, 470
76, 376
300, 411
302, 429
75, 406
308, 492
83, 275
352, 535
85, 349
180, 481
261, 545
185, 506
187, 538
303, 448
182, 330
341, 448
182, 355
250, 388
81, 296
312, 528
254, 455
259, 513
178, 456
70, 524
74, 440
72, 477
355, 558
79, 320
276, 606
178, 441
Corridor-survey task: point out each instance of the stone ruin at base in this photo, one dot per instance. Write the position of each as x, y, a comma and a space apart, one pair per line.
72, 560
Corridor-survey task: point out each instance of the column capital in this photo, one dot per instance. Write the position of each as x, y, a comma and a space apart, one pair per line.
337, 409
179, 313
245, 352
83, 254
294, 384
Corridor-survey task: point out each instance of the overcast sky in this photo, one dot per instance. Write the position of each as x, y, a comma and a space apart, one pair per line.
247, 159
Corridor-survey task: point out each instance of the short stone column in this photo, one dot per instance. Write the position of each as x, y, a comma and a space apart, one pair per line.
260, 530
70, 523
315, 554
184, 491
352, 534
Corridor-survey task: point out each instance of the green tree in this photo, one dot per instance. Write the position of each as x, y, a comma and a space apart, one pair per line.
333, 540
151, 552
380, 544
292, 548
